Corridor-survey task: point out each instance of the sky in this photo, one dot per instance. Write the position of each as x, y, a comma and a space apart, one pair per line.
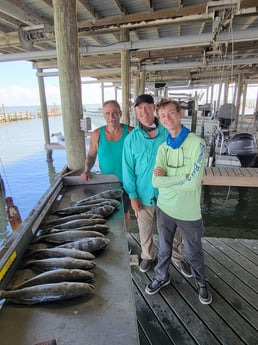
19, 87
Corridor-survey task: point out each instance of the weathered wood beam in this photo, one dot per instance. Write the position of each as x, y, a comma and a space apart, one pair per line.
90, 9
145, 19
119, 7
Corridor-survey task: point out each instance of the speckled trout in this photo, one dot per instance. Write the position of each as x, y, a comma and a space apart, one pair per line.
100, 228
43, 265
58, 276
67, 236
57, 252
47, 292
107, 194
91, 245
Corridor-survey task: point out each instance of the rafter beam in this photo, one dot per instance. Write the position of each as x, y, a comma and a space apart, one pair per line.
90, 9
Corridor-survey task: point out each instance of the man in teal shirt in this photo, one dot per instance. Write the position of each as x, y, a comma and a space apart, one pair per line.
107, 142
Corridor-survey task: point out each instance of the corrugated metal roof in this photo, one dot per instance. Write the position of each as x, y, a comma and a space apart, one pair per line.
196, 35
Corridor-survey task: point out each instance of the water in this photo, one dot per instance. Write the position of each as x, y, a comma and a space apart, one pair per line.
227, 212
23, 166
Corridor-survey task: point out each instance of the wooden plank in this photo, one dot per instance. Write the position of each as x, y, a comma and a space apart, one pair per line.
241, 249
233, 275
230, 319
233, 309
230, 172
173, 311
175, 314
250, 244
224, 172
239, 177
219, 326
146, 316
245, 172
220, 279
246, 264
251, 171
142, 336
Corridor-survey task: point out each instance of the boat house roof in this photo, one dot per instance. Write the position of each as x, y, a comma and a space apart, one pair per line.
179, 43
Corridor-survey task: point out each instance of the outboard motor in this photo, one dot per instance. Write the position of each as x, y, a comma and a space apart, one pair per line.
244, 147
226, 115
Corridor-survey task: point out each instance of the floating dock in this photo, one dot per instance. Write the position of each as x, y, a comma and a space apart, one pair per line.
238, 177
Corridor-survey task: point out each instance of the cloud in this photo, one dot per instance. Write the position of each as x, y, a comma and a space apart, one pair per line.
17, 95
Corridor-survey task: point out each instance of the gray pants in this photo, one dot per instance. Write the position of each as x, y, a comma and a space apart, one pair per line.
146, 221
192, 232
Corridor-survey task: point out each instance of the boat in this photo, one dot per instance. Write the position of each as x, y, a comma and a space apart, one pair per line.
240, 148
60, 138
86, 126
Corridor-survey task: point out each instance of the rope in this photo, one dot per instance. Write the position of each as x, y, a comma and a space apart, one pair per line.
5, 176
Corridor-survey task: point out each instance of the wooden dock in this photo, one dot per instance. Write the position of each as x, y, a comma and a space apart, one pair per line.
175, 315
238, 177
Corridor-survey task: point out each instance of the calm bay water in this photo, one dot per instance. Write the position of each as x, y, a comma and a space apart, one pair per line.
23, 166
227, 212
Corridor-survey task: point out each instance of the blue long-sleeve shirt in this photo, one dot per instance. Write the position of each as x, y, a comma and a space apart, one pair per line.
139, 155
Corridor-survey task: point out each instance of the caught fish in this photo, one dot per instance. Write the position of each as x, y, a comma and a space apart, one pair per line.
91, 245
73, 210
67, 236
113, 202
48, 264
61, 252
47, 293
87, 202
80, 216
102, 228
107, 194
58, 276
104, 211
80, 222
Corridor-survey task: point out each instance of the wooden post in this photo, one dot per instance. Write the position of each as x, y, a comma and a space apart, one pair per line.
226, 91
194, 115
136, 93
219, 94
238, 100
67, 45
125, 77
102, 94
244, 91
44, 114
142, 82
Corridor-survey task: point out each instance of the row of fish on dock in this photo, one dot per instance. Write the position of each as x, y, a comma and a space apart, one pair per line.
63, 250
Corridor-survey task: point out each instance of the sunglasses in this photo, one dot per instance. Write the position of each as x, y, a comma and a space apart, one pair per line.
180, 161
